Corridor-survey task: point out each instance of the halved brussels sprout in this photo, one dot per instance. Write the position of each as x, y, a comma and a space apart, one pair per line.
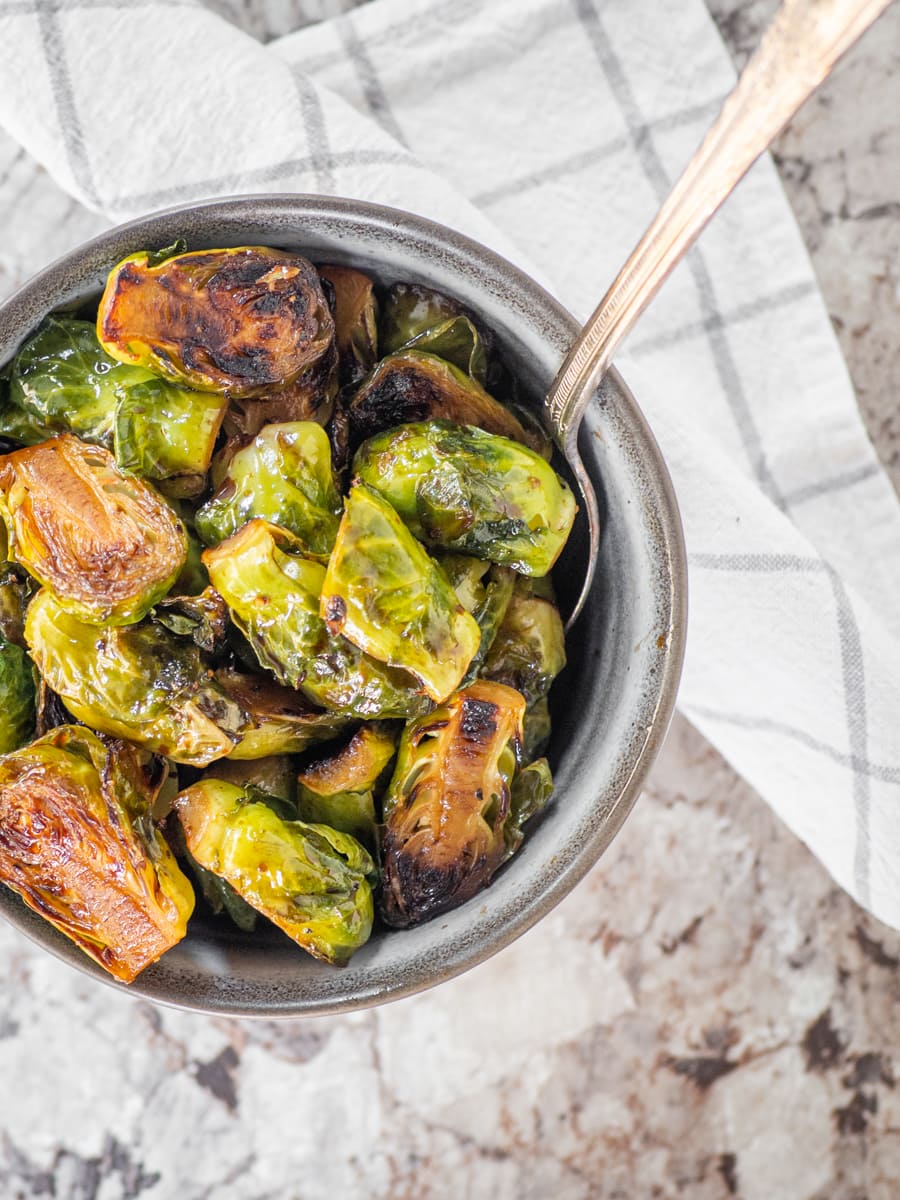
529, 650
340, 790
448, 805
414, 386
281, 720
273, 596
62, 381
384, 593
355, 321
309, 398
467, 490
138, 682
417, 317
105, 543
242, 321
17, 697
311, 881
285, 477
78, 844
167, 434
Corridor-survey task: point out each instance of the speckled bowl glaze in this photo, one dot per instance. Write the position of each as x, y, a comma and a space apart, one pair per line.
612, 704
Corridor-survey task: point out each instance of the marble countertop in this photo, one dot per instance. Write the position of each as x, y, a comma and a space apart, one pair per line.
728, 1031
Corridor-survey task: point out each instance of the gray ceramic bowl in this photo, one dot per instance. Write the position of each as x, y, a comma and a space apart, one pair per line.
612, 704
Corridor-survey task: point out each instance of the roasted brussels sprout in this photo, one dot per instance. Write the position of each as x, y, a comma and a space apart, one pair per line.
311, 881
14, 592
275, 775
384, 593
537, 729
417, 317
309, 399
355, 321
104, 542
532, 787
62, 381
283, 476
529, 650
167, 434
242, 321
17, 697
340, 790
78, 845
414, 386
280, 720
274, 598
138, 682
448, 804
485, 591
468, 490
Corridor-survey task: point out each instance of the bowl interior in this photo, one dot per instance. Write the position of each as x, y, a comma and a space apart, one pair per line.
612, 704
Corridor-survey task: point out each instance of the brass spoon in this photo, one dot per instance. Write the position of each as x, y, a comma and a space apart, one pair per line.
797, 51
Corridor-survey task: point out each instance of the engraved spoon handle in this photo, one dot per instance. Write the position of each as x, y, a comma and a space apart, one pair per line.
804, 41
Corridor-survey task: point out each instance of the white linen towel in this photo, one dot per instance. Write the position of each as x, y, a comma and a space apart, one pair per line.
551, 130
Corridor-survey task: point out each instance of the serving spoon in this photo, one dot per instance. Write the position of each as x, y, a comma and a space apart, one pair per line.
804, 41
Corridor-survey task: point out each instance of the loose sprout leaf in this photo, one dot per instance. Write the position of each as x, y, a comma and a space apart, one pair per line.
532, 788
418, 317
105, 543
139, 682
283, 476
537, 728
274, 598
415, 386
311, 881
448, 804
203, 618
241, 321
78, 845
17, 697
384, 593
355, 321
467, 490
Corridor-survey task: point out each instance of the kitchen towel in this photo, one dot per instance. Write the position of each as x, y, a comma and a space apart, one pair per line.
551, 130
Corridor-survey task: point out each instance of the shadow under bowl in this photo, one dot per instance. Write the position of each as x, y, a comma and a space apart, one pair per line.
612, 704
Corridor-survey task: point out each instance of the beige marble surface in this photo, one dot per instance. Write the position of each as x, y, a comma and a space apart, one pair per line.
725, 1021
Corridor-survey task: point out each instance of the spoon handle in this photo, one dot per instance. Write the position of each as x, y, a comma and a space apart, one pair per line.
804, 41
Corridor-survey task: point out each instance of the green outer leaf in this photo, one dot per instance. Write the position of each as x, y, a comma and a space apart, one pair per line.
531, 790
17, 697
138, 682
529, 650
417, 317
274, 600
384, 593
283, 476
348, 812
463, 489
312, 881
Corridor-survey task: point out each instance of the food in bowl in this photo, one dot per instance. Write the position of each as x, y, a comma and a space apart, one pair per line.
373, 596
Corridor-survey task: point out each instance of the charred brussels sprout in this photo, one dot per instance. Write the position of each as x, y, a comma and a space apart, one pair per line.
340, 790
355, 321
273, 596
78, 844
467, 490
414, 386
448, 805
17, 697
529, 650
280, 720
283, 476
384, 593
242, 321
103, 542
419, 318
311, 881
139, 682
62, 381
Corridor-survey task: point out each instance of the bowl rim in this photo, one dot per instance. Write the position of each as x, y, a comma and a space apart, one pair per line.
524, 296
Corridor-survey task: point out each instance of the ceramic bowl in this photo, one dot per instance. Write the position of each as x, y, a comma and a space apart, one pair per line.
612, 704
